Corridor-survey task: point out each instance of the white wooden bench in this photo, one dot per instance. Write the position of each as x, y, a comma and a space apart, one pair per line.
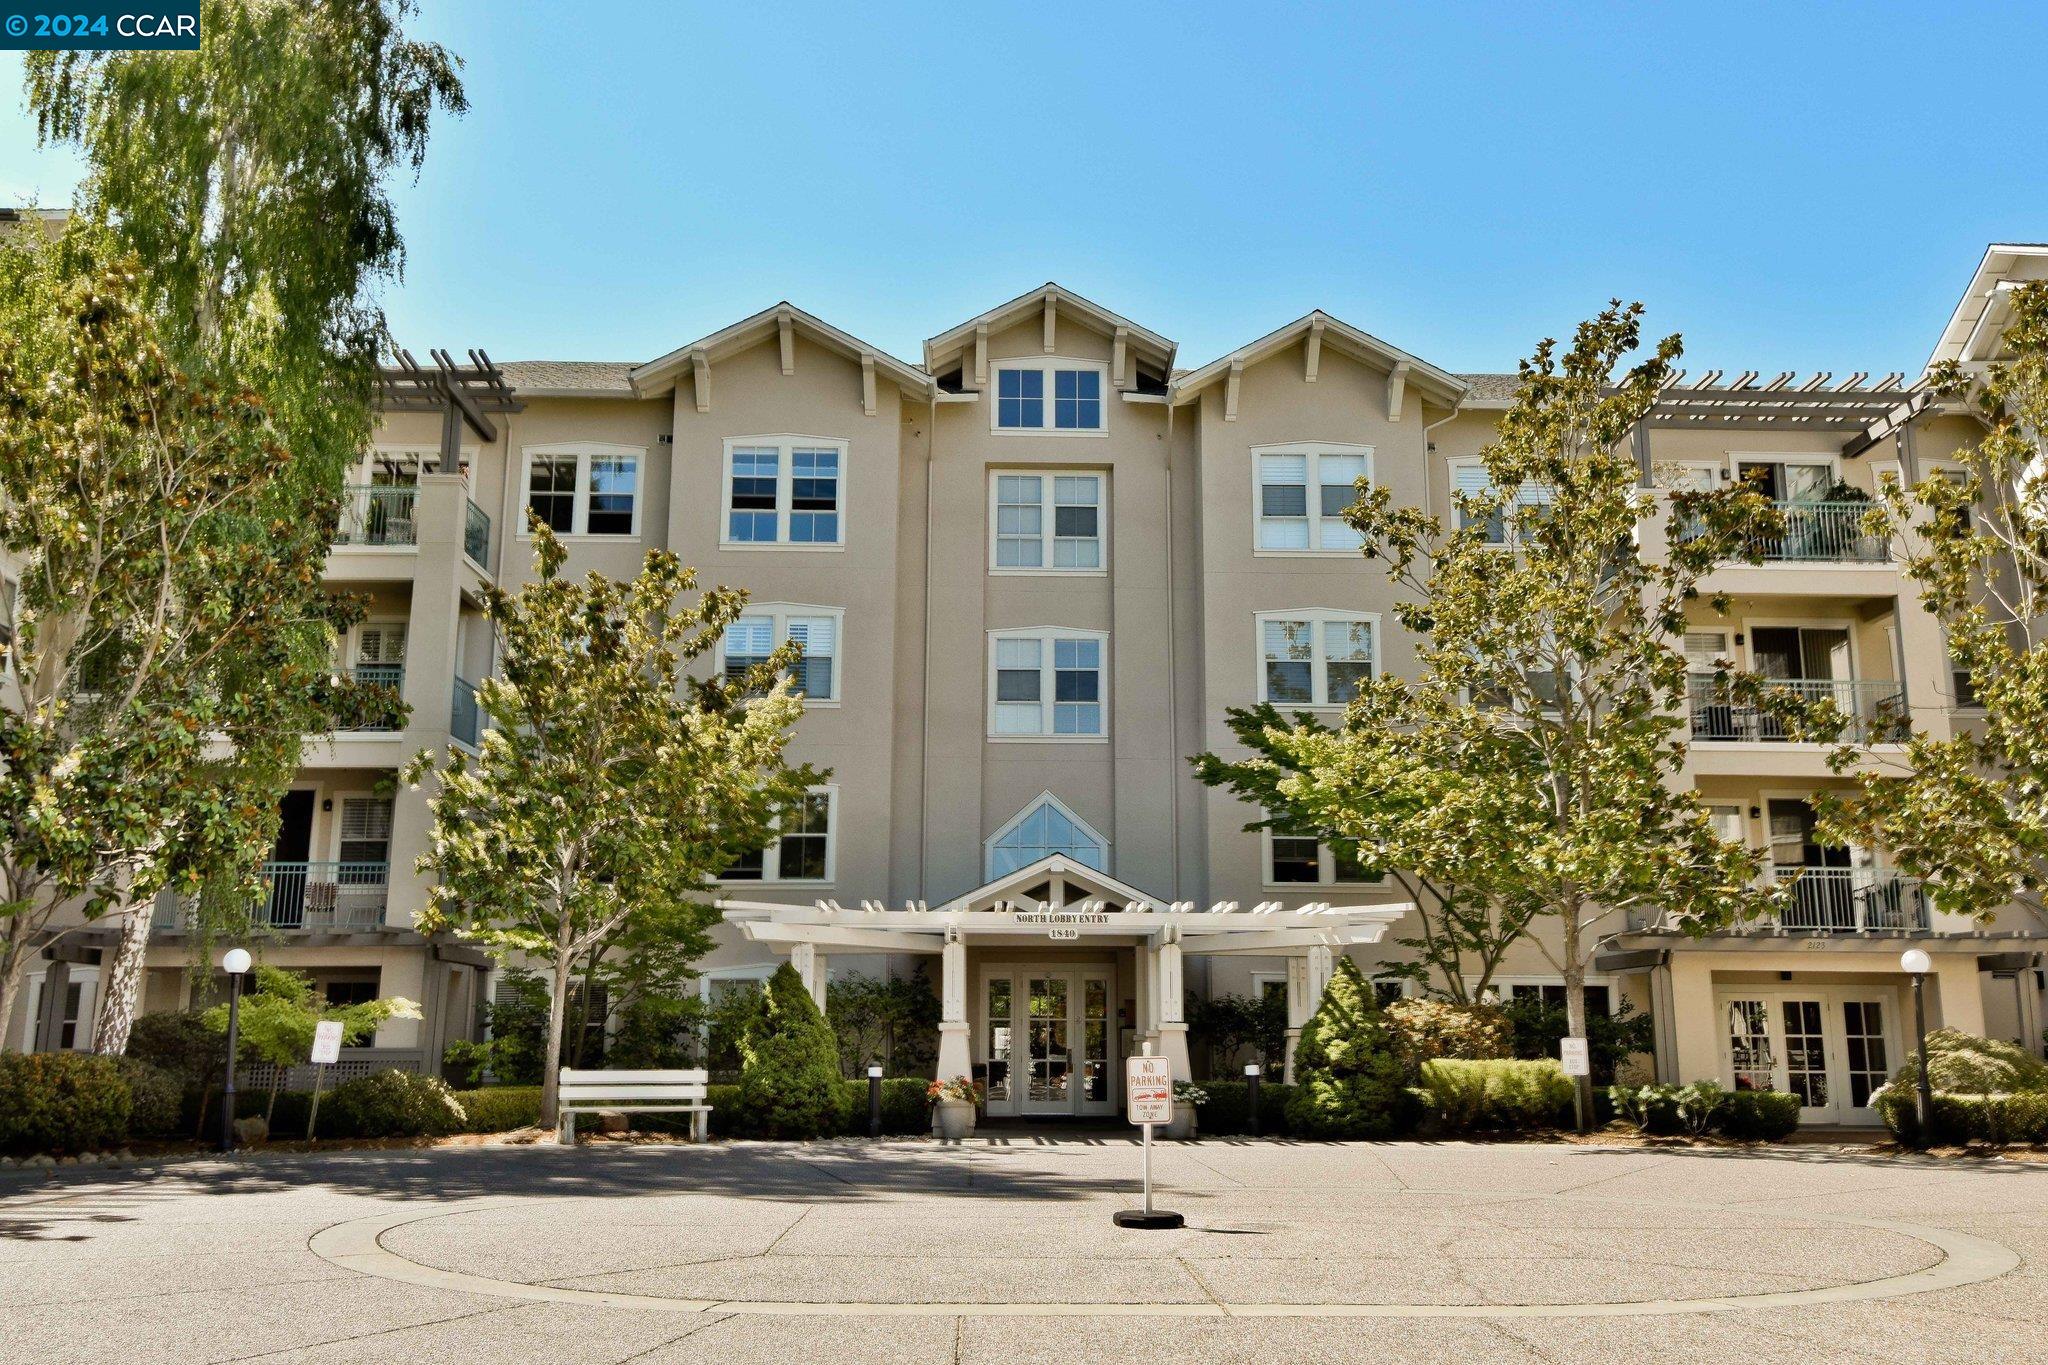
635, 1092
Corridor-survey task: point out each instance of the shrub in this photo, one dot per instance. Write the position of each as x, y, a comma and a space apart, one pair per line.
1229, 1108
1424, 1030
789, 1066
2012, 1119
1651, 1109
1758, 1115
1698, 1104
1348, 1080
1610, 1038
1462, 1096
61, 1103
904, 1108
156, 1098
391, 1104
499, 1108
1965, 1064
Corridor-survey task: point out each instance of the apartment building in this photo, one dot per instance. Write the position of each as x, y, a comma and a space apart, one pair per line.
1030, 573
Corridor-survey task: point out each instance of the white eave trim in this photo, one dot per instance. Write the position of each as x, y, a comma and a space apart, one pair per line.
658, 376
1141, 340
1426, 378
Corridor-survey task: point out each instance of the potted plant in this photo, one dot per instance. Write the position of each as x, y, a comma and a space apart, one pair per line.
1187, 1097
954, 1103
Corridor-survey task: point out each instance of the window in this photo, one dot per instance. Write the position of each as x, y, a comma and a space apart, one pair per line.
751, 639
353, 988
1047, 684
1598, 1000
585, 490
1469, 478
365, 829
1047, 522
785, 491
1315, 658
802, 852
1076, 389
1302, 493
1044, 828
1298, 860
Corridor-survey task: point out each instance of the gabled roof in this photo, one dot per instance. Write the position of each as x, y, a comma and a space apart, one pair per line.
1974, 329
940, 351
1441, 385
659, 376
1053, 864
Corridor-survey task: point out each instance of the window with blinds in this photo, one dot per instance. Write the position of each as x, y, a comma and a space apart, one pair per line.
1469, 479
1302, 494
750, 640
365, 829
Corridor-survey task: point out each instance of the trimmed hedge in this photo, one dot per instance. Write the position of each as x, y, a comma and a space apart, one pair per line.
1498, 1096
155, 1098
2015, 1119
1704, 1107
1758, 1115
1229, 1108
391, 1104
499, 1108
904, 1107
62, 1103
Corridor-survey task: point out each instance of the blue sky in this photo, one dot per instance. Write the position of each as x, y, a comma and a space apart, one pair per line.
1792, 187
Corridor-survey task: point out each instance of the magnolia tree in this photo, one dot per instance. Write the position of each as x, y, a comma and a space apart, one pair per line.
1531, 763
610, 787
165, 560
250, 176
1970, 812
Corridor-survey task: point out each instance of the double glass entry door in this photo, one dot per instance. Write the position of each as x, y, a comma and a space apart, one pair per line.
1831, 1047
1047, 1041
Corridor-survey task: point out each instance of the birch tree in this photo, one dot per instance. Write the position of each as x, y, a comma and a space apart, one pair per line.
611, 786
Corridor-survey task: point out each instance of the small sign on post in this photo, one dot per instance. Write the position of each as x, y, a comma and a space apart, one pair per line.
326, 1052
1148, 1100
1572, 1055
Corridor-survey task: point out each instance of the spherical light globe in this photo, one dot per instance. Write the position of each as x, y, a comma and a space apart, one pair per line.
1915, 962
237, 961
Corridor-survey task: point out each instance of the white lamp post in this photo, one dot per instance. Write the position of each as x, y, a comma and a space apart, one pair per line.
236, 964
1917, 964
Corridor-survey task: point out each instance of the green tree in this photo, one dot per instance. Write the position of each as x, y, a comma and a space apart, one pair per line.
610, 787
250, 176
279, 1015
789, 1065
166, 550
886, 1019
1544, 720
1969, 813
1349, 1078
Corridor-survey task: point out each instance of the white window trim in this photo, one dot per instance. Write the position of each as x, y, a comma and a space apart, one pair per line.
1832, 463
1326, 868
1501, 988
771, 856
585, 452
1046, 365
1044, 798
1318, 666
341, 800
1311, 451
1509, 535
1047, 634
780, 612
784, 442
1046, 567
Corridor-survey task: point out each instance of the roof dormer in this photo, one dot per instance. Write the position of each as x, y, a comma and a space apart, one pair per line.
1139, 359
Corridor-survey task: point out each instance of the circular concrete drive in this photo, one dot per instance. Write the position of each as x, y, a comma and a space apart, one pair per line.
1275, 1230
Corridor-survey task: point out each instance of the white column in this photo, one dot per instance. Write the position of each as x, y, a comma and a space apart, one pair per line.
1173, 1028
1145, 962
955, 1059
810, 964
1298, 1008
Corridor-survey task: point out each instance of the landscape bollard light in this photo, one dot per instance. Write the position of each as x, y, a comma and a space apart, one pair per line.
874, 1101
1251, 1094
1917, 964
236, 965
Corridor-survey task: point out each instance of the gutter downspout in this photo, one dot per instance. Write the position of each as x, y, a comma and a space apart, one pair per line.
924, 747
1172, 655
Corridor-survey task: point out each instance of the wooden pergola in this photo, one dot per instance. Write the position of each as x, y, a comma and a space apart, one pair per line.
462, 394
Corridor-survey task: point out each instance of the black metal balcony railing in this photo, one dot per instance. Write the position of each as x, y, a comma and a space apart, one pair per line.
379, 514
310, 897
391, 676
1851, 900
1826, 531
1874, 709
465, 722
476, 535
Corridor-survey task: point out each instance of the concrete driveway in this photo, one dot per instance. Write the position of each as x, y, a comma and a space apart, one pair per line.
1004, 1250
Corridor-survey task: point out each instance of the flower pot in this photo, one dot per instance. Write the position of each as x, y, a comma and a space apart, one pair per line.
955, 1119
1182, 1126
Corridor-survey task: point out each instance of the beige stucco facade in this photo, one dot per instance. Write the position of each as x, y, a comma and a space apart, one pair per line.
931, 787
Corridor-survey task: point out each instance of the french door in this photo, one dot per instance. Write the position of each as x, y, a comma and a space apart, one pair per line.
1831, 1046
1046, 1040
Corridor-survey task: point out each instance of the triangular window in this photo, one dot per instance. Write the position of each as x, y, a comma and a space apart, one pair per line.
1044, 828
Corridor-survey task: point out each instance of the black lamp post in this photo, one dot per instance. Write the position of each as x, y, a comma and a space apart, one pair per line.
1917, 965
874, 1100
236, 964
1251, 1095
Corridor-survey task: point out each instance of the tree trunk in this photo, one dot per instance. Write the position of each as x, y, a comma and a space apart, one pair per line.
1575, 1010
551, 1058
121, 987
13, 950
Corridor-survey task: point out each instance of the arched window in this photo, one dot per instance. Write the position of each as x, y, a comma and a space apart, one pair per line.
1043, 828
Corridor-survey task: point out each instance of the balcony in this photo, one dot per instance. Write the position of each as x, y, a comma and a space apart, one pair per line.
1875, 710
464, 720
476, 535
1826, 900
391, 676
379, 515
1823, 533
303, 898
